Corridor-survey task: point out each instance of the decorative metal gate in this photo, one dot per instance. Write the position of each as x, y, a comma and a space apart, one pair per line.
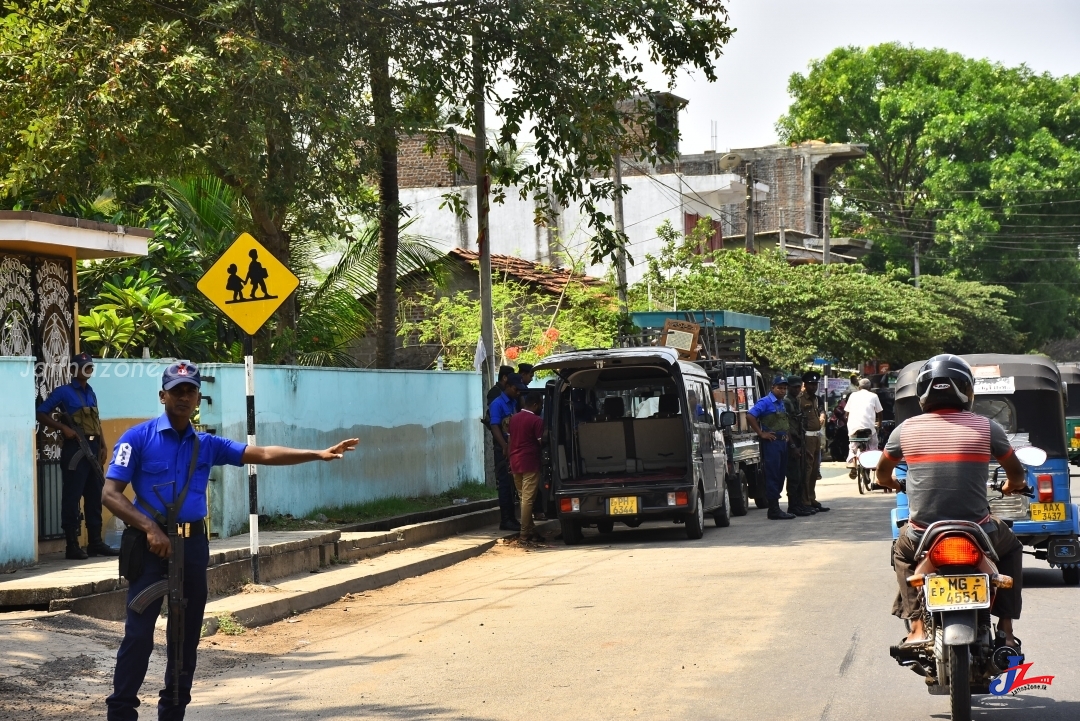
37, 317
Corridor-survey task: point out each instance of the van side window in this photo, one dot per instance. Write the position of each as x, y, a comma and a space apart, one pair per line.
699, 401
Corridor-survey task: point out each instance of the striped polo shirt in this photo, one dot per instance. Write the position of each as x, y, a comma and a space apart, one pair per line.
948, 457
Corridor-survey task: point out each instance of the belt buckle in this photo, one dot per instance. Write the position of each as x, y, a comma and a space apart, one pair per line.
183, 530
90, 438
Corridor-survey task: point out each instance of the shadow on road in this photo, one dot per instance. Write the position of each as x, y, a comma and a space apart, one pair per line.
1021, 708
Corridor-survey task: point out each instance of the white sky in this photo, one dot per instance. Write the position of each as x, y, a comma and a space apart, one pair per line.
778, 37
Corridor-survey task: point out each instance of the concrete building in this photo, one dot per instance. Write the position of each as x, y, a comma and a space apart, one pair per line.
788, 180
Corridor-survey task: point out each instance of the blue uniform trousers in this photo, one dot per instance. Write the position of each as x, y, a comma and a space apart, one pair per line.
138, 643
80, 484
774, 454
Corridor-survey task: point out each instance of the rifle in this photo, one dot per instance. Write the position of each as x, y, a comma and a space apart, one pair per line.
84, 447
174, 585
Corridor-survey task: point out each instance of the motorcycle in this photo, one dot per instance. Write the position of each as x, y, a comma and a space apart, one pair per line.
957, 570
864, 478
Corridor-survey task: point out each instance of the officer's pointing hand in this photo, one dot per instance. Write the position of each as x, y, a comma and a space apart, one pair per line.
338, 451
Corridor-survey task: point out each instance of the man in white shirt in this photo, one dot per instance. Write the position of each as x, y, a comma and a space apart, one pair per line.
863, 412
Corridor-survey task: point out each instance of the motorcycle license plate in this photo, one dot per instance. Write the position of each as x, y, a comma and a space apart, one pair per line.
1048, 511
956, 593
622, 506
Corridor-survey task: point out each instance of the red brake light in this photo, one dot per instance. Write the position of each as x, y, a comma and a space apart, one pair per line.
955, 551
565, 505
681, 498
1046, 488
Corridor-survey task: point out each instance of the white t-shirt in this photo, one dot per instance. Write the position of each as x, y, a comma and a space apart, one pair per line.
862, 409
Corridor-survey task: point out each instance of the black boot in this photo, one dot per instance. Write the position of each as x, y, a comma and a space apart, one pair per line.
775, 514
73, 552
96, 547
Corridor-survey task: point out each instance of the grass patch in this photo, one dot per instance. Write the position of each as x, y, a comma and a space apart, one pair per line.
378, 509
228, 625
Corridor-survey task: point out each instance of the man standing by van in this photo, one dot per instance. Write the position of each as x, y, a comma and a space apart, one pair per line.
769, 419
526, 432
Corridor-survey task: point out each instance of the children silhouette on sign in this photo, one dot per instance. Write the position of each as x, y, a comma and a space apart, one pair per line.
256, 276
235, 284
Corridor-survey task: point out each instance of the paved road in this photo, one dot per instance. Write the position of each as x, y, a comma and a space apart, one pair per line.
762, 620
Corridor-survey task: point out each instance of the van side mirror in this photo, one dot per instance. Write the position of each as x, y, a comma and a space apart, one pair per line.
727, 419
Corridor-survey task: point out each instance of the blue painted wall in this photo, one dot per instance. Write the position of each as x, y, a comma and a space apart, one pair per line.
18, 521
127, 388
419, 434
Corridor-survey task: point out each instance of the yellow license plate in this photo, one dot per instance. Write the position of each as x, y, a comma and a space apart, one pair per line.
957, 592
1048, 511
622, 506
1074, 443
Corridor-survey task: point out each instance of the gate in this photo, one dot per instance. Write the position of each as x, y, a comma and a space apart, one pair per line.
37, 318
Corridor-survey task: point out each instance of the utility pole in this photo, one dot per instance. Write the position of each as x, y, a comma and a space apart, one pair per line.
620, 254
783, 238
253, 476
916, 265
750, 247
826, 254
483, 241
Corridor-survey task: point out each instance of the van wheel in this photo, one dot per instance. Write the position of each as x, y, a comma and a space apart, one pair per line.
720, 515
1071, 576
606, 526
757, 490
695, 522
739, 493
571, 531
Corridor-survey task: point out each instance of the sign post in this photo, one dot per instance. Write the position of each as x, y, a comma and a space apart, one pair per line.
268, 284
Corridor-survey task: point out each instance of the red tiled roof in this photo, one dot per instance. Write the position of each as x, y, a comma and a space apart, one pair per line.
549, 279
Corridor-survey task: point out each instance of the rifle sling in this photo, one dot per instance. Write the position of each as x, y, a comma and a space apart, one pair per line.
173, 509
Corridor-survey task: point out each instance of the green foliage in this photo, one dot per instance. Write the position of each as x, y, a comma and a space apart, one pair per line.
229, 625
528, 325
976, 164
837, 311
130, 312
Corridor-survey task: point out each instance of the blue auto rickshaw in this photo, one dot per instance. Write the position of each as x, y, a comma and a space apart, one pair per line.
1024, 394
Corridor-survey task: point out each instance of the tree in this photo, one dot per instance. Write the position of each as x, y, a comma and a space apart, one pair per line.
837, 311
130, 313
971, 164
294, 104
528, 325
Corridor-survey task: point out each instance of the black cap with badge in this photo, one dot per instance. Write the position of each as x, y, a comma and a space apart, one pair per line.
81, 360
182, 372
811, 377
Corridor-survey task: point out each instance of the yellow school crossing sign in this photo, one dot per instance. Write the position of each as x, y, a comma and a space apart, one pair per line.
248, 283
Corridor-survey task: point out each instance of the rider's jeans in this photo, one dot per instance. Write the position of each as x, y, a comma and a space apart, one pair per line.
1007, 602
853, 446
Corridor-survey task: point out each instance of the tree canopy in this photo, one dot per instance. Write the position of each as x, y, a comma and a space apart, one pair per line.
974, 164
837, 311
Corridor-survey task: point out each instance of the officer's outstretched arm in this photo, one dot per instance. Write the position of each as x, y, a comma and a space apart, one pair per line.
282, 456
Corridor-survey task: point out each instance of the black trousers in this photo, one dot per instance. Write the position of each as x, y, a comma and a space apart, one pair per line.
80, 484
1007, 603
134, 654
796, 477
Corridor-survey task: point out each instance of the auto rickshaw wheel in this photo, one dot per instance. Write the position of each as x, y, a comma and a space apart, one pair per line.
1071, 576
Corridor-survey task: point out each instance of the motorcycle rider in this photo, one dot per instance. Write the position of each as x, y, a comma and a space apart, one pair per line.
948, 450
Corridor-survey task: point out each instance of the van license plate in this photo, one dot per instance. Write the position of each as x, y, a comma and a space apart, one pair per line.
949, 593
1048, 511
622, 506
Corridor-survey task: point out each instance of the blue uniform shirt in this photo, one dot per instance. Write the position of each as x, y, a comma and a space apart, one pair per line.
767, 405
72, 396
502, 407
154, 454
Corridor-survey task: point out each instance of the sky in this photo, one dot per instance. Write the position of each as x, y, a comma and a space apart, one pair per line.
776, 38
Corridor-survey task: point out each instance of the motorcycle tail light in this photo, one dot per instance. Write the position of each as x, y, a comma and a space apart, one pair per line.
1046, 488
955, 551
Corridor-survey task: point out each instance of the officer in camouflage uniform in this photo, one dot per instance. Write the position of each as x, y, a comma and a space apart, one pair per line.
813, 421
796, 487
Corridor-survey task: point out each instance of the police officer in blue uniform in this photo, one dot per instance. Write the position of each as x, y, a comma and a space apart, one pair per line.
81, 481
769, 419
154, 457
499, 419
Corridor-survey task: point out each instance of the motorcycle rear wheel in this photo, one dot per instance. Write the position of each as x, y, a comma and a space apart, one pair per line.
859, 480
960, 683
